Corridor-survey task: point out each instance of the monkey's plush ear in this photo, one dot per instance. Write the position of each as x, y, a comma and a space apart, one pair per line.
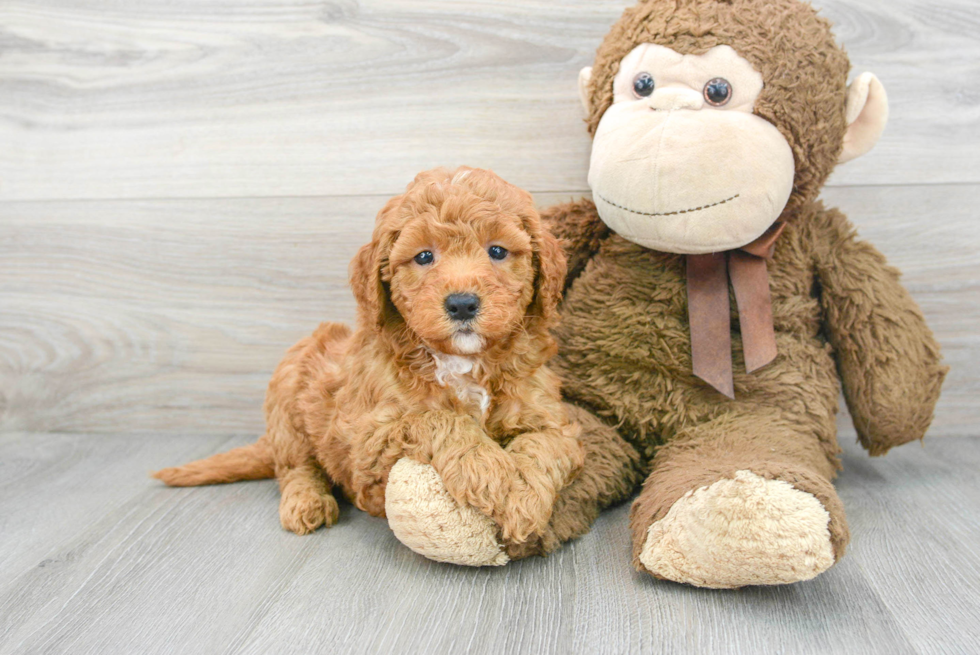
867, 114
584, 78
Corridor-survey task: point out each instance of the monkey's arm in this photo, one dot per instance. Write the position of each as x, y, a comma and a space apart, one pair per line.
579, 229
887, 357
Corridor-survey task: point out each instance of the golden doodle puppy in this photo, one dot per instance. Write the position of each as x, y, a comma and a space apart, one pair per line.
444, 377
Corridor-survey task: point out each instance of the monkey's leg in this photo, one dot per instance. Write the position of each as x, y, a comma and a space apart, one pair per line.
744, 499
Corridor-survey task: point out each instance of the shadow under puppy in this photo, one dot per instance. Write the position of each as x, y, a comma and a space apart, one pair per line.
440, 396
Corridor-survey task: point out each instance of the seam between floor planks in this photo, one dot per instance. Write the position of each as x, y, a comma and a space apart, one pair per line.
575, 193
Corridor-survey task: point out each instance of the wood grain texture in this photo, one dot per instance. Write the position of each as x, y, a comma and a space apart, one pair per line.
182, 185
126, 565
170, 315
245, 98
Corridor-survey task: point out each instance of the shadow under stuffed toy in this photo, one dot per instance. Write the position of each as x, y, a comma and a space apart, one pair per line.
715, 309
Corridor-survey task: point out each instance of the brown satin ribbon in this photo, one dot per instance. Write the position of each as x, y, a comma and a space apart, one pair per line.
709, 312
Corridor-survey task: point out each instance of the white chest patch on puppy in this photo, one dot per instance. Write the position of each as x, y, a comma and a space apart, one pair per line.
456, 373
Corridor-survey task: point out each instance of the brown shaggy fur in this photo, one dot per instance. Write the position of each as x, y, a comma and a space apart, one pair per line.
842, 318
344, 406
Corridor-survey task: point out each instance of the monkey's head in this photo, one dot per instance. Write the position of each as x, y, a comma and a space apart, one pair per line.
713, 118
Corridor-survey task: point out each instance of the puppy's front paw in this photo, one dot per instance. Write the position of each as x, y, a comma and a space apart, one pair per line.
526, 512
429, 521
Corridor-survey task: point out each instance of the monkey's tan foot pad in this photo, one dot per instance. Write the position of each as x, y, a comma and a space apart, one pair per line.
428, 520
739, 532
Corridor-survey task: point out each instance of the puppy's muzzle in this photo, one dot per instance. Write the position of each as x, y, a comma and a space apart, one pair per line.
462, 306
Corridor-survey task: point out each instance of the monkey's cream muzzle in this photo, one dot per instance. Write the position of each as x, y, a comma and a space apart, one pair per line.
689, 180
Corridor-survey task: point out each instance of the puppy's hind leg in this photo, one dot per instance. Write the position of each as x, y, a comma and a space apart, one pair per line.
306, 500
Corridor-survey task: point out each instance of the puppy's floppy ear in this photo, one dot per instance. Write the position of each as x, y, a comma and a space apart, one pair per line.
551, 269
374, 306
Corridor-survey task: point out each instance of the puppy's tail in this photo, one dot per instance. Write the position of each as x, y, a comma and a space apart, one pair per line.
252, 462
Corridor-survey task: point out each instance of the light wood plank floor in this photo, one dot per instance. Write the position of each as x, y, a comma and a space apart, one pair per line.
97, 558
182, 185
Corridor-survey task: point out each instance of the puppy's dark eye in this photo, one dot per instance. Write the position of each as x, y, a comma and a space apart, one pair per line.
718, 92
424, 258
497, 252
643, 85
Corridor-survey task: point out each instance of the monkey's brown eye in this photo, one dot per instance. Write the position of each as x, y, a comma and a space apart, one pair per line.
718, 92
643, 85
424, 258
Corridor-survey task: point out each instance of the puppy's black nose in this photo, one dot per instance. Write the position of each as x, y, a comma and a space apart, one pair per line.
462, 306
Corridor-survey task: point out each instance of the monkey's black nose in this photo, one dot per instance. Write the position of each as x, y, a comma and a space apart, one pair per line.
462, 306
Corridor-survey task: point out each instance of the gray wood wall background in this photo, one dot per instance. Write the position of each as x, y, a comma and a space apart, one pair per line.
183, 182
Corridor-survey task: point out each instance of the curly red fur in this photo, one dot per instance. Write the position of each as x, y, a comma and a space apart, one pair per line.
343, 406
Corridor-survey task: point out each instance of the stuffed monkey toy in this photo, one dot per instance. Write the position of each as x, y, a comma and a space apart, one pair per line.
714, 308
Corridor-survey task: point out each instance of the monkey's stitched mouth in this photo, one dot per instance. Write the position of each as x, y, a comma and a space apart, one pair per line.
674, 213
